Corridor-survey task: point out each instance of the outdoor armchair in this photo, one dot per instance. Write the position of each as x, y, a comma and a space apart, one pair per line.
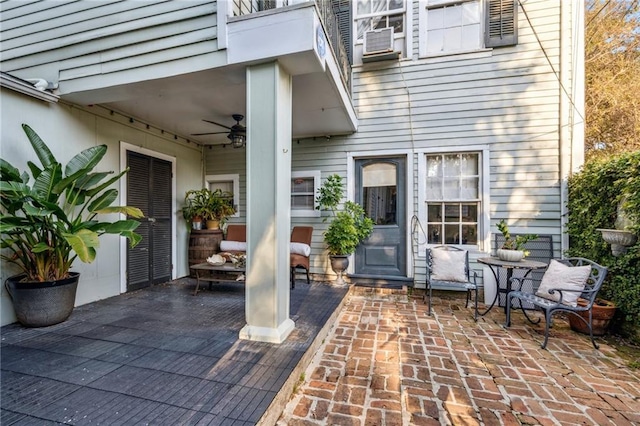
563, 283
448, 269
300, 250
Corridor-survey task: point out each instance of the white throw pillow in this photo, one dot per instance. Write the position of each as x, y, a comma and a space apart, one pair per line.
559, 275
226, 245
301, 249
448, 265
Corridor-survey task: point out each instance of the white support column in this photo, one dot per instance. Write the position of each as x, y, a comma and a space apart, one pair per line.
268, 203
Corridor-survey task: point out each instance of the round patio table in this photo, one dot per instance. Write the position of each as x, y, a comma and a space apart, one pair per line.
495, 264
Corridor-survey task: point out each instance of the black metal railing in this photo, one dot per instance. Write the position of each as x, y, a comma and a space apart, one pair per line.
329, 22
332, 27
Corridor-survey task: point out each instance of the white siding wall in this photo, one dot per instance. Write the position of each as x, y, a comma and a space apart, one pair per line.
64, 41
69, 129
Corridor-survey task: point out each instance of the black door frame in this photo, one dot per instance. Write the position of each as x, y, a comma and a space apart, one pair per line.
124, 147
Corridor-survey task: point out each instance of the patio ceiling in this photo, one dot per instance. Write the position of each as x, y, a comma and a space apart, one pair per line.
179, 104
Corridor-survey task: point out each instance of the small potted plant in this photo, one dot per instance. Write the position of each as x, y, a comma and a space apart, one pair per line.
512, 249
205, 205
48, 220
348, 227
217, 208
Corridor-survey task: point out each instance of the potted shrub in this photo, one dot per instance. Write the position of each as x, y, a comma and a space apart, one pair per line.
205, 205
348, 227
512, 249
48, 220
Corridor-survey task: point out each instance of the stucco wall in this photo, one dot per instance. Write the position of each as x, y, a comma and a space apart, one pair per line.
67, 130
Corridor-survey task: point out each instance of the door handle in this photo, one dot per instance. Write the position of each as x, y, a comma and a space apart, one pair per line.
151, 219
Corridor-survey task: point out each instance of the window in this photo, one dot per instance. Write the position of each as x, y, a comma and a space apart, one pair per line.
377, 14
452, 196
304, 186
229, 184
448, 26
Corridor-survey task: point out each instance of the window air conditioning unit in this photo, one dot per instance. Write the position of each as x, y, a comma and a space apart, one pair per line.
378, 41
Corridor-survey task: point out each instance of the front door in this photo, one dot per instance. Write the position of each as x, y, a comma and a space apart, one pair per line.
381, 191
149, 188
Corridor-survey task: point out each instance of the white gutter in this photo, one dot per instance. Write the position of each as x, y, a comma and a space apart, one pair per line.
10, 82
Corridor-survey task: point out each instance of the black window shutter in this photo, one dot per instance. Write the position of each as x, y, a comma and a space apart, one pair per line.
501, 23
342, 9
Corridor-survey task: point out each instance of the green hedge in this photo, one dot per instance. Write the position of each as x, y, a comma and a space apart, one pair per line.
594, 194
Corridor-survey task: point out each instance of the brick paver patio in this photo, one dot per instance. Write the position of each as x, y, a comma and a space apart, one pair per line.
386, 362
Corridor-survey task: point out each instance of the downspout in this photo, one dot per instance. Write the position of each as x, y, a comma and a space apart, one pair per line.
571, 131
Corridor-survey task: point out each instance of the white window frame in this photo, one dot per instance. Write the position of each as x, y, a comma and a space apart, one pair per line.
423, 6
484, 215
235, 178
402, 11
307, 174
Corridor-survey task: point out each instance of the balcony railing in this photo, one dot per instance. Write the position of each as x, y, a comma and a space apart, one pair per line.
329, 21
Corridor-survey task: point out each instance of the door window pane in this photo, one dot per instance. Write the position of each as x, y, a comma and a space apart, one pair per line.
380, 192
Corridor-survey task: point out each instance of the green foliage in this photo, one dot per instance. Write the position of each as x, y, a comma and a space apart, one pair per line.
511, 243
348, 227
208, 205
594, 195
50, 218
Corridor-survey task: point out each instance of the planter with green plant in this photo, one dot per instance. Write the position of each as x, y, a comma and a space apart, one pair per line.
512, 249
50, 219
205, 205
348, 227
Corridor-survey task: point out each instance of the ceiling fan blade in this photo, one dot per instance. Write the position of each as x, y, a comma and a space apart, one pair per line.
217, 124
210, 133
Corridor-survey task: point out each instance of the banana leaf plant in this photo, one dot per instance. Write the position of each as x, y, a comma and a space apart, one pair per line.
50, 218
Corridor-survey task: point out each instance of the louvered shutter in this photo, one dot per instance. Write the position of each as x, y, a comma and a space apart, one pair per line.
342, 9
501, 23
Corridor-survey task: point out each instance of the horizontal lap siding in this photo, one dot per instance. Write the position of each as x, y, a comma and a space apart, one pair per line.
86, 38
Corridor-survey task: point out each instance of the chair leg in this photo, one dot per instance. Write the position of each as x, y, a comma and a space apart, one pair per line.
547, 324
507, 322
590, 324
475, 307
308, 279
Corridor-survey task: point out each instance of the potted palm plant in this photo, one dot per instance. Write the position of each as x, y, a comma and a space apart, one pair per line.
348, 227
513, 248
50, 219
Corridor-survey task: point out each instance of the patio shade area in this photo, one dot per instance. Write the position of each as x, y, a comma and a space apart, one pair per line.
158, 356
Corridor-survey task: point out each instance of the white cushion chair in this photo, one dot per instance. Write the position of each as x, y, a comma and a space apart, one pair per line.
562, 284
448, 269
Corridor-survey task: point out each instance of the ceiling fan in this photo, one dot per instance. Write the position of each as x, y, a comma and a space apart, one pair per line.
237, 133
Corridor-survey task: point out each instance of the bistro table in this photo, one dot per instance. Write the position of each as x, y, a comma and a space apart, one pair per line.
217, 273
495, 264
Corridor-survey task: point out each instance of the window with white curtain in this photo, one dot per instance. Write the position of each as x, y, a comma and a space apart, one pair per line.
456, 26
377, 14
453, 198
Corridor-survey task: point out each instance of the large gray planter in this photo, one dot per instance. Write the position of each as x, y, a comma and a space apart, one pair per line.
42, 304
339, 264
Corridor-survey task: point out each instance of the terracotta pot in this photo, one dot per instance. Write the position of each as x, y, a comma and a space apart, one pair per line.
602, 313
213, 224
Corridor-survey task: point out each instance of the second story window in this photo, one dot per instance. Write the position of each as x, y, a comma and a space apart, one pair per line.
456, 26
377, 14
453, 27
